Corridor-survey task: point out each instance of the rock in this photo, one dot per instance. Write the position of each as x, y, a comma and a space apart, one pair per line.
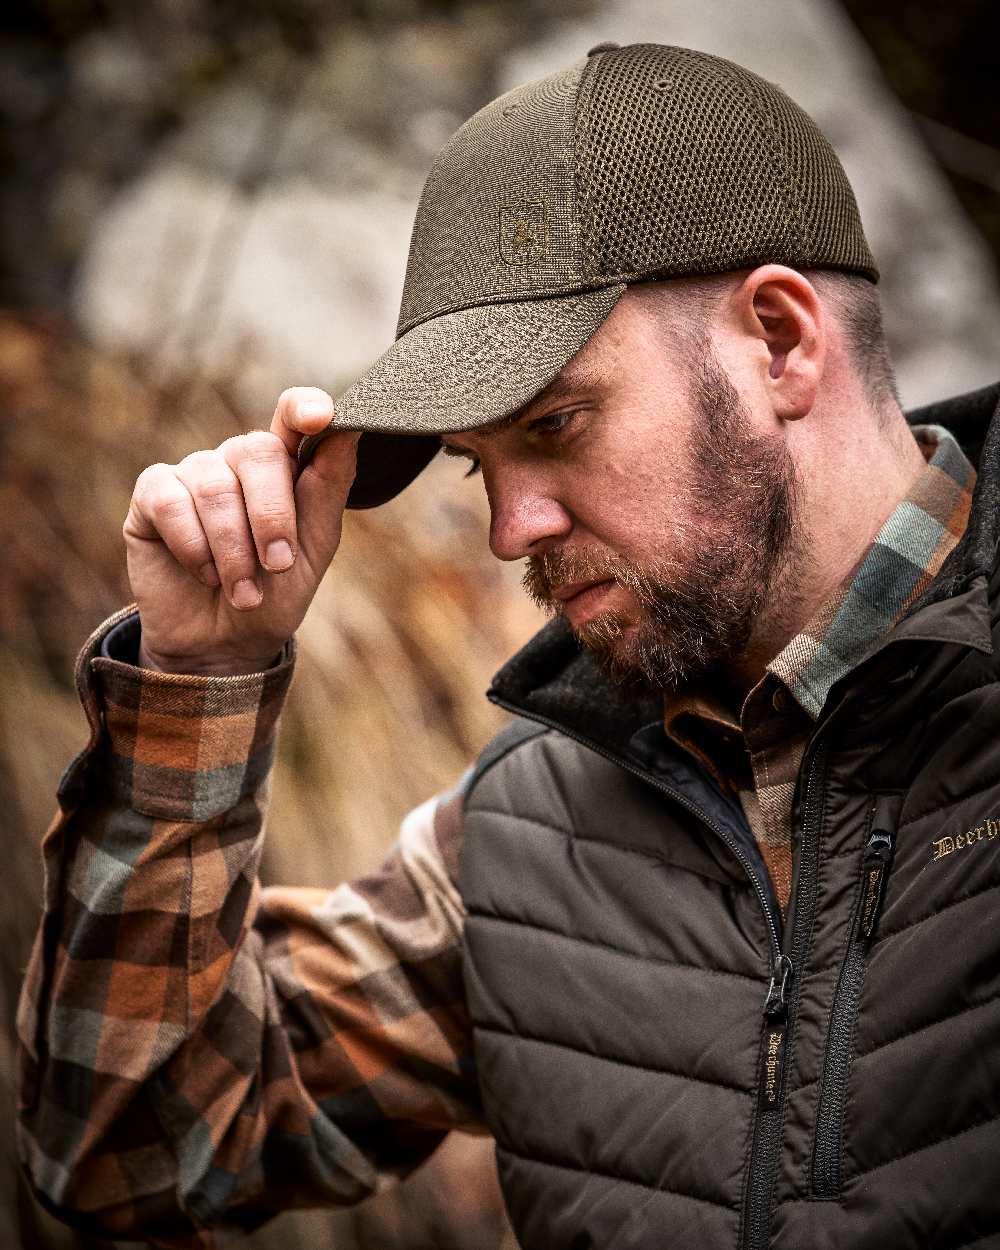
292, 285
267, 243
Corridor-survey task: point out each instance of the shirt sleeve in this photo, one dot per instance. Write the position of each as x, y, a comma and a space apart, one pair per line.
197, 1053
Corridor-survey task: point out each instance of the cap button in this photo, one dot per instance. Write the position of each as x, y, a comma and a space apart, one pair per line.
603, 47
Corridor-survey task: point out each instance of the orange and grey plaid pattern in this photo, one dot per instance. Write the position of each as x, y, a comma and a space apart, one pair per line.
755, 752
197, 1051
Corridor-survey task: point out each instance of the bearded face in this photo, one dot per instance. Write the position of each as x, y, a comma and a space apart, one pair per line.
686, 611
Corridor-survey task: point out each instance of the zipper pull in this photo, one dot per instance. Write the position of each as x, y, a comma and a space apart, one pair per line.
876, 861
775, 1031
776, 1003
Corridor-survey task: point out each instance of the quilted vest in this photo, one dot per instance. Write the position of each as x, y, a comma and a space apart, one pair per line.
663, 1063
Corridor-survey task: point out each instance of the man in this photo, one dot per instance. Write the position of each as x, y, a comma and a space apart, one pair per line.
716, 965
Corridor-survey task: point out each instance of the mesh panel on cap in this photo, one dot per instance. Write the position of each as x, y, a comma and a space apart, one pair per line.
690, 164
829, 211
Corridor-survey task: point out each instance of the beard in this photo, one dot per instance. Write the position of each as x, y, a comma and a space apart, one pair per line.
698, 608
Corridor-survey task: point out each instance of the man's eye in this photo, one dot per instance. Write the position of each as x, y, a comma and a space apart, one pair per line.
552, 423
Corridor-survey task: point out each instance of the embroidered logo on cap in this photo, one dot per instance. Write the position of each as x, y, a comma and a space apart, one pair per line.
524, 233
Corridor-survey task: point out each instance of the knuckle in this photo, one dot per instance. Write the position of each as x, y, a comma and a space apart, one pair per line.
168, 508
230, 545
271, 512
259, 446
199, 459
204, 468
192, 549
217, 492
151, 474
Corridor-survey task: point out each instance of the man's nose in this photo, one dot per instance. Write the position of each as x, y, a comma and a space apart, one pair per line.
525, 520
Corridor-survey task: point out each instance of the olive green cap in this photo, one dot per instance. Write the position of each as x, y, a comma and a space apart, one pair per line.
638, 163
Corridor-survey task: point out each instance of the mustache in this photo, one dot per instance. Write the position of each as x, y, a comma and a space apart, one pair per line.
544, 574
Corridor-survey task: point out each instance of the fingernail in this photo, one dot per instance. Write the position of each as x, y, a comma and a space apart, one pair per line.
208, 574
245, 594
278, 555
314, 408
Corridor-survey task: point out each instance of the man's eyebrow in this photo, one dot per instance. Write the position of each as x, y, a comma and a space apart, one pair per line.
562, 386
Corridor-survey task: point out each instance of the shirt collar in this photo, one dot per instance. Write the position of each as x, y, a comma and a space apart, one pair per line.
903, 558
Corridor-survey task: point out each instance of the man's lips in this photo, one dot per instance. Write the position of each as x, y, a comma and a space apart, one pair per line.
580, 600
570, 590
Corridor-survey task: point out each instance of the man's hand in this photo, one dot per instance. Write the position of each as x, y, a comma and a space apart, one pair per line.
225, 549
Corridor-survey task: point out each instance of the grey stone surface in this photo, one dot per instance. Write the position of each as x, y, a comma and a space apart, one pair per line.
296, 284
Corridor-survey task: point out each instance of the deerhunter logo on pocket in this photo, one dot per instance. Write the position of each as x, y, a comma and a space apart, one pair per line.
988, 832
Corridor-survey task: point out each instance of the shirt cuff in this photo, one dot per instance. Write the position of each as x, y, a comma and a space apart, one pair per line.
180, 747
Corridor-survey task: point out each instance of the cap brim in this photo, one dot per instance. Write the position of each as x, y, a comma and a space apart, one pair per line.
456, 372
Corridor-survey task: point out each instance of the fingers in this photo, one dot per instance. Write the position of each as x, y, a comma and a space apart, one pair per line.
162, 510
225, 515
217, 499
321, 496
264, 470
301, 410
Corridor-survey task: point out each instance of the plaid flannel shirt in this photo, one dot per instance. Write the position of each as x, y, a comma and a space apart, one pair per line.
196, 1051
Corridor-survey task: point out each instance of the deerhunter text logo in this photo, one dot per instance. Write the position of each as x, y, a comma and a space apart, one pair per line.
987, 832
524, 232
772, 1065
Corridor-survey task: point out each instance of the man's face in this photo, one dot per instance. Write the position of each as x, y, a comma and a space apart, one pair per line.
654, 514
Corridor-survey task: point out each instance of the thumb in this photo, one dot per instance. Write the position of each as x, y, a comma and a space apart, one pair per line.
321, 495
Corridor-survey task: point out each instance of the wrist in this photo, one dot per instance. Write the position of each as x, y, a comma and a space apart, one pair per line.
204, 666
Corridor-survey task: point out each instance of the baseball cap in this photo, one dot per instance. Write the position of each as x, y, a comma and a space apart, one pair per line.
638, 163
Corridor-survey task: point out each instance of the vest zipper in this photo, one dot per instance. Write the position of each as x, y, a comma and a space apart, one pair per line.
779, 1011
778, 1006
876, 862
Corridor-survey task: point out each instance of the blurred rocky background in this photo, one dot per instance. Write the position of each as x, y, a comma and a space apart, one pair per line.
203, 203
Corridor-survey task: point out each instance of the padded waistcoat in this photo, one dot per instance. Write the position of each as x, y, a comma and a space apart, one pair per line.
618, 958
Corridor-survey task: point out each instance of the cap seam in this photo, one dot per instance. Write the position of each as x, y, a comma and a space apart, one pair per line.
596, 283
572, 154
793, 201
581, 120
579, 287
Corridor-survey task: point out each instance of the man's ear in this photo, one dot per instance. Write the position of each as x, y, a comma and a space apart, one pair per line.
780, 308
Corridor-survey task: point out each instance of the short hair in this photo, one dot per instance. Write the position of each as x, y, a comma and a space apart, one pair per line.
856, 304
853, 300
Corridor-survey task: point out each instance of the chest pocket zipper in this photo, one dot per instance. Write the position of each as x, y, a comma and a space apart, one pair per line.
876, 862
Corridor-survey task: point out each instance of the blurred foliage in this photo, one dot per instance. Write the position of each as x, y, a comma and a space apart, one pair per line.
941, 61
